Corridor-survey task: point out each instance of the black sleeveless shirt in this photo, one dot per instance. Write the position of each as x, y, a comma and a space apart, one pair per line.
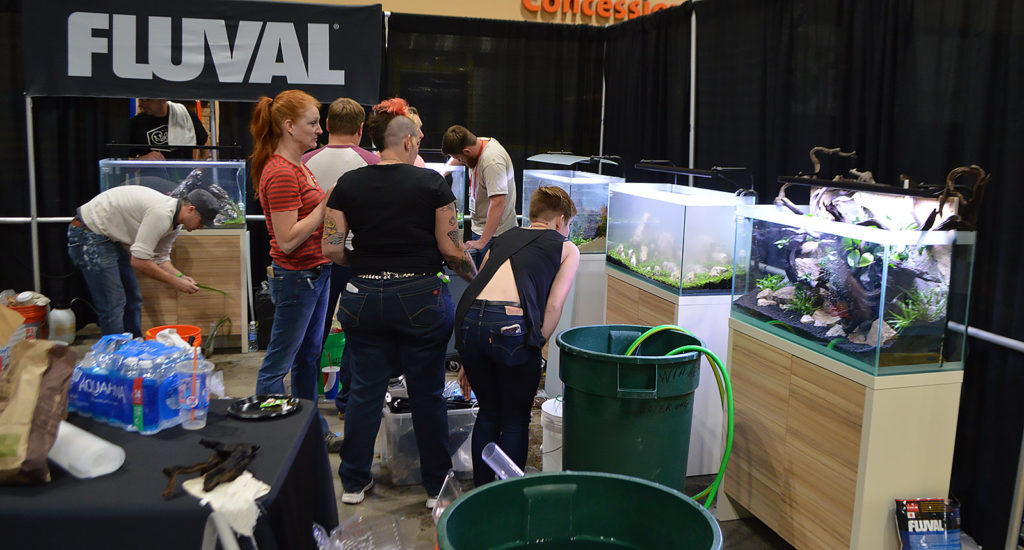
536, 255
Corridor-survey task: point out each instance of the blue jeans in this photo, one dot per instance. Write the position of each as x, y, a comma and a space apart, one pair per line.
107, 269
339, 277
478, 255
296, 341
504, 373
400, 325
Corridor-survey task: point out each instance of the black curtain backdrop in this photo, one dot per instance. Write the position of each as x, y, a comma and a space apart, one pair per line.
536, 87
647, 99
916, 88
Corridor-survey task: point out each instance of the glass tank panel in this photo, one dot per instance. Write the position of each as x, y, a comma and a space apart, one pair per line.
590, 194
677, 237
456, 178
224, 179
879, 300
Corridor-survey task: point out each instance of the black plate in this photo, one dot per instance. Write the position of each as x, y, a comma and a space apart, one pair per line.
250, 407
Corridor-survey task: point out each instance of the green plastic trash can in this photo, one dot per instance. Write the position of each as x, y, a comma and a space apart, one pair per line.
576, 510
623, 414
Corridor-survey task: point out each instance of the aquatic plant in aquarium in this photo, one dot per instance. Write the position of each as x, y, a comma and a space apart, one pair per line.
877, 299
677, 237
224, 179
588, 191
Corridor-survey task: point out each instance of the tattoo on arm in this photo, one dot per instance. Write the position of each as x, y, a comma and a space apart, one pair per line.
466, 267
456, 237
450, 207
331, 234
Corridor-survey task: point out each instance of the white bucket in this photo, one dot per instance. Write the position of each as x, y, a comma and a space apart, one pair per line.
551, 444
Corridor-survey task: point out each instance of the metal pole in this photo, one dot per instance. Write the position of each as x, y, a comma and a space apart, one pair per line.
1017, 505
693, 88
1002, 341
1013, 531
600, 143
32, 206
215, 153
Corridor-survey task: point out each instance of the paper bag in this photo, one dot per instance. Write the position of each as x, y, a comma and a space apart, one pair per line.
33, 399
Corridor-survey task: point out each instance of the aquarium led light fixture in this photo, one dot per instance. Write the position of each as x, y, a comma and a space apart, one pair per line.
575, 179
667, 167
782, 216
677, 194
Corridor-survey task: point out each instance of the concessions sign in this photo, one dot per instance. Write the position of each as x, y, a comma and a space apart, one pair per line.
214, 49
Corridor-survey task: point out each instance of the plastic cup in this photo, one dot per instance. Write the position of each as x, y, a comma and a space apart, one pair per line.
330, 381
193, 393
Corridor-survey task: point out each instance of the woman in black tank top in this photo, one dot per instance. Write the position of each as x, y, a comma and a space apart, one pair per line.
505, 316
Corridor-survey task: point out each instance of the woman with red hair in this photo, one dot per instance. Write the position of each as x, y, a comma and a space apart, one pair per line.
294, 203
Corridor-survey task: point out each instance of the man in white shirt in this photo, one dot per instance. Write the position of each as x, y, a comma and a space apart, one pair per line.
328, 163
492, 186
147, 222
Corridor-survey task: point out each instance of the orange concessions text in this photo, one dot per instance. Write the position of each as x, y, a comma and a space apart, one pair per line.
608, 9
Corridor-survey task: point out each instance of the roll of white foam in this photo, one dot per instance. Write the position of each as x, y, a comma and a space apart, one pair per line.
83, 454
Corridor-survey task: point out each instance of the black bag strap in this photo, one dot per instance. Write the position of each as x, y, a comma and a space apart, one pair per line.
494, 262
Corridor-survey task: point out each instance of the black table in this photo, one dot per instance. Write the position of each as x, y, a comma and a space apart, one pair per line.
125, 509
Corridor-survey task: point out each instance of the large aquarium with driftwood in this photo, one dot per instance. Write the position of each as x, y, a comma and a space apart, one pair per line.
676, 237
877, 281
224, 179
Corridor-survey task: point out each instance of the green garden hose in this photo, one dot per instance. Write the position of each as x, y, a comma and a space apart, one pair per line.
724, 392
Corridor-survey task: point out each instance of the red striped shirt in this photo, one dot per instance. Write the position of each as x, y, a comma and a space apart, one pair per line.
283, 187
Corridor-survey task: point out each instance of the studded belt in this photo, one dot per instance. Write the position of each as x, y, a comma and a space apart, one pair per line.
388, 275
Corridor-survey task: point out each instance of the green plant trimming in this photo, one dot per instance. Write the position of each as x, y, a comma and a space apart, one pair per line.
804, 301
771, 282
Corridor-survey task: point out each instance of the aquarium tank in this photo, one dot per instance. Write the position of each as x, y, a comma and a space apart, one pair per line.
456, 178
590, 194
224, 179
676, 237
881, 300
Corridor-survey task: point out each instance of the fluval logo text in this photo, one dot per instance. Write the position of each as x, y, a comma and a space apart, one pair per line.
269, 41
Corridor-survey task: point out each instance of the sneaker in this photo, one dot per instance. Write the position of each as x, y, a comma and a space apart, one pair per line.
357, 497
341, 415
333, 441
431, 501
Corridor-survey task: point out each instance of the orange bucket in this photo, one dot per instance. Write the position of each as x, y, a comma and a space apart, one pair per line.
192, 335
35, 320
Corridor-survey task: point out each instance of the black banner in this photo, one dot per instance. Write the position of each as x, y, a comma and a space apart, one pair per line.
214, 49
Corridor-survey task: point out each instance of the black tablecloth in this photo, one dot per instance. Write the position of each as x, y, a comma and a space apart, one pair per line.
125, 509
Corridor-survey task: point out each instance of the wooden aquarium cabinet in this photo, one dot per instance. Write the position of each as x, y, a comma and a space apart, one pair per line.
821, 450
213, 257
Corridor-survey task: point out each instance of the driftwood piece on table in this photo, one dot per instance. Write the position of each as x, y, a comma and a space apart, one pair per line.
228, 461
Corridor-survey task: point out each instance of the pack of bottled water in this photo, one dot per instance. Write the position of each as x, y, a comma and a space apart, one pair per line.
129, 383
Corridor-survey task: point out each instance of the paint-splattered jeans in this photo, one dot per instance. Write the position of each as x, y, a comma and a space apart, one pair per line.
107, 269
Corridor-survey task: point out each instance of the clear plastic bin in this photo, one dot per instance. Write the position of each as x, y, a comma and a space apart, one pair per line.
401, 458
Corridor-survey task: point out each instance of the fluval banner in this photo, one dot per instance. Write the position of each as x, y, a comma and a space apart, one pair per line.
214, 49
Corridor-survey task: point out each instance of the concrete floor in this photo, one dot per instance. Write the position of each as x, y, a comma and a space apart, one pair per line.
405, 505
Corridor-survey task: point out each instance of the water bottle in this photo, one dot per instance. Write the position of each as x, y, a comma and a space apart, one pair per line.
253, 346
145, 400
